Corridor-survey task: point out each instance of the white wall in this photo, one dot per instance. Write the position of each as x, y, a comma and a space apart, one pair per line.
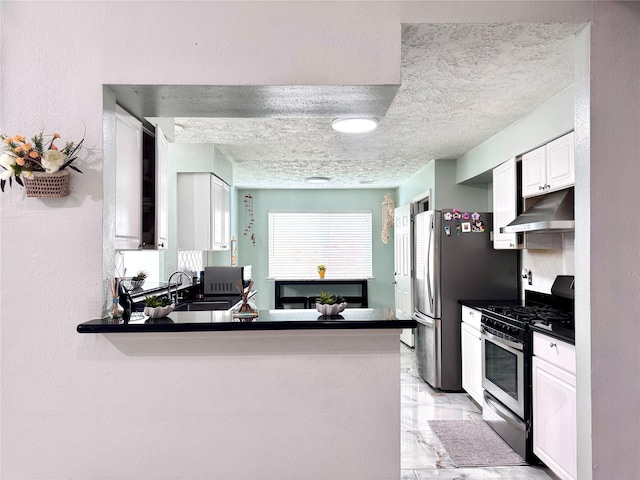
62, 393
609, 254
545, 264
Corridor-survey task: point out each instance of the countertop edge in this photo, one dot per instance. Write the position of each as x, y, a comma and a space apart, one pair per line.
247, 326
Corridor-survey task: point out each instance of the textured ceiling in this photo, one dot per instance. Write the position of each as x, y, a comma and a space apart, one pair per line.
461, 84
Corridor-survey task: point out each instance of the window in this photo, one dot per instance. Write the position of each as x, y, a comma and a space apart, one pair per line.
300, 241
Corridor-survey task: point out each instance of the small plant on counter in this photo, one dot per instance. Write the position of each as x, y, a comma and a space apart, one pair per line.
141, 275
154, 301
157, 307
329, 299
321, 268
330, 304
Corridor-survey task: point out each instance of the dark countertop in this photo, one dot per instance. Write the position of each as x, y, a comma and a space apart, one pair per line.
556, 331
223, 320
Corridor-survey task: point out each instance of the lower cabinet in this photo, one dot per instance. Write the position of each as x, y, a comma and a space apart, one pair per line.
554, 405
471, 353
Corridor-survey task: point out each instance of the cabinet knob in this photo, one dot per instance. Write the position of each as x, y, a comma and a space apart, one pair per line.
161, 244
552, 345
540, 187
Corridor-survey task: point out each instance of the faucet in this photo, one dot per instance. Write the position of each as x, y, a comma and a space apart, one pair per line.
174, 299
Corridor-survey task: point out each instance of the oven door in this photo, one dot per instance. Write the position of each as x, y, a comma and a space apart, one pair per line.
503, 371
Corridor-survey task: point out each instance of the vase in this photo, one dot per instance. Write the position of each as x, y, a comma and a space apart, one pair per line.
158, 312
333, 309
116, 309
43, 184
321, 273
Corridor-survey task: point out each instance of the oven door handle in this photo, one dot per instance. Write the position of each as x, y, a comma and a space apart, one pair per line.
503, 341
513, 420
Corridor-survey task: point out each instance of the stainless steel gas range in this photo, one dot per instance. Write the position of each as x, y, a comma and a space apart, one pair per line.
506, 360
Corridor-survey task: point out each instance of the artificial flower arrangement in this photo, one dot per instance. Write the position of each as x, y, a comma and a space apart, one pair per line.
23, 158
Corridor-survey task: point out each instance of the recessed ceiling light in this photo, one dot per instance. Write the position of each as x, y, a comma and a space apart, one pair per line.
354, 125
317, 179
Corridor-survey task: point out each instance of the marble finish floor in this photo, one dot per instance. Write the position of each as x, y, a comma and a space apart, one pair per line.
422, 455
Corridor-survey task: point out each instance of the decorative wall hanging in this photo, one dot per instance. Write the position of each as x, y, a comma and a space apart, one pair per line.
234, 252
40, 168
387, 217
248, 230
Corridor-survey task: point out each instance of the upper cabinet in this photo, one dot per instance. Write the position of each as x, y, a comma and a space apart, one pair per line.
162, 190
155, 190
549, 168
142, 162
128, 234
505, 204
203, 212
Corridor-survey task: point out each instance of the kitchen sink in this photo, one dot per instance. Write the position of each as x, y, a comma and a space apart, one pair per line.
203, 306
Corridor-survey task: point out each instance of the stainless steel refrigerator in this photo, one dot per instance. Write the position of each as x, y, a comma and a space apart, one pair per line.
454, 259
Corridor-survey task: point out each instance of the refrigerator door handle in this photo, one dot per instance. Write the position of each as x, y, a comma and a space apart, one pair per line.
428, 269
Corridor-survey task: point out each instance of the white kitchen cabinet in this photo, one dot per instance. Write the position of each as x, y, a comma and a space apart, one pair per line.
554, 405
221, 214
161, 191
549, 168
203, 206
505, 204
471, 346
128, 231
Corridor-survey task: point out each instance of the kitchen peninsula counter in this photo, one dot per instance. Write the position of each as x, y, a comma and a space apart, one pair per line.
291, 384
223, 320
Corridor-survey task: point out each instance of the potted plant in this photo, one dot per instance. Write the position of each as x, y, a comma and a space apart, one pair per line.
321, 270
39, 166
330, 304
138, 280
157, 307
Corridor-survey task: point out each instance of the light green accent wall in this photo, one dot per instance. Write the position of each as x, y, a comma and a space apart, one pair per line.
439, 176
547, 122
419, 183
448, 194
381, 291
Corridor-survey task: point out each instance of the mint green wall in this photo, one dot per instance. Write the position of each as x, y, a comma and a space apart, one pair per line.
381, 292
419, 183
449, 194
439, 177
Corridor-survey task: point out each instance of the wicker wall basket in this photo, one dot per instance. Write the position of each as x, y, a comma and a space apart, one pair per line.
43, 184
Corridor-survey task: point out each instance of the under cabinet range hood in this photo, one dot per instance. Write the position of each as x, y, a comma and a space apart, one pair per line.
553, 213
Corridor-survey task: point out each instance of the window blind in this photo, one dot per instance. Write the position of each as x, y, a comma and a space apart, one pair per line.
300, 241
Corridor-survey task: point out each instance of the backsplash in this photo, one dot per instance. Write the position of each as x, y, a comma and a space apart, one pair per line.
545, 265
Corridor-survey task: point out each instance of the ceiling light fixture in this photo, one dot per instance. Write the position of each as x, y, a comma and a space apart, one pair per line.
317, 179
354, 125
